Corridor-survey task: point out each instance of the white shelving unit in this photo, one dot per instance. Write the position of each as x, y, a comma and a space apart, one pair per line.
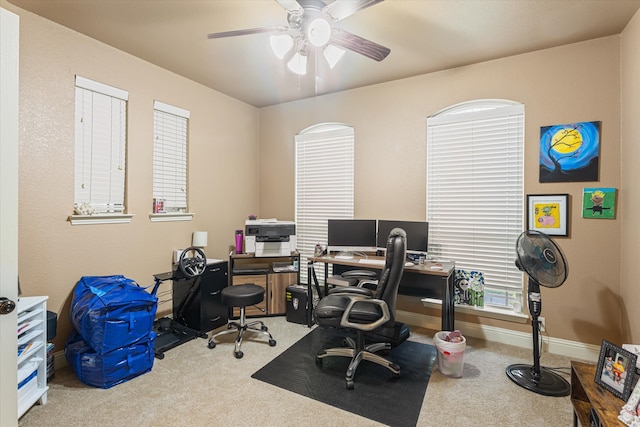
32, 352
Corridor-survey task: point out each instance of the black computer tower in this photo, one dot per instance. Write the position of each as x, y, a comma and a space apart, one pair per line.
297, 301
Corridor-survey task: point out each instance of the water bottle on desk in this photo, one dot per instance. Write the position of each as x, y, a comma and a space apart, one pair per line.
239, 238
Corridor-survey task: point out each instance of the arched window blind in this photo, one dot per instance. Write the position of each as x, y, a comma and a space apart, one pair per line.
324, 185
475, 192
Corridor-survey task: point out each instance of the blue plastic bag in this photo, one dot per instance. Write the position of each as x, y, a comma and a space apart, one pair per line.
108, 369
112, 312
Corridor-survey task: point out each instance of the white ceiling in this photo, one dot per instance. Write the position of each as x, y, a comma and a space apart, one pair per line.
423, 35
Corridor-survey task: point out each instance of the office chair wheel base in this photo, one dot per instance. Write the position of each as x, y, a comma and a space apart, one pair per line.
211, 344
350, 384
238, 354
272, 343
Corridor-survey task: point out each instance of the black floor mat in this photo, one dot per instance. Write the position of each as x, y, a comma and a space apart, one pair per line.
377, 395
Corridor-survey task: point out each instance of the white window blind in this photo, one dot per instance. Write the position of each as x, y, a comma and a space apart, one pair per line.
324, 185
169, 158
475, 192
100, 147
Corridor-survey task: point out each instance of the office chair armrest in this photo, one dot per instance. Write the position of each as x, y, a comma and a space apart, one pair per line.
360, 274
353, 300
368, 284
351, 290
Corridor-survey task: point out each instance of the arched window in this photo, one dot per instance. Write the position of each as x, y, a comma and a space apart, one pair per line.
324, 184
475, 189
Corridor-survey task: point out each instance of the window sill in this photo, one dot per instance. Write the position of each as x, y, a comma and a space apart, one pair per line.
100, 219
164, 217
490, 312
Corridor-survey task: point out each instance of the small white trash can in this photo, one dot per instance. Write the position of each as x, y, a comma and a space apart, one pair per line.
450, 355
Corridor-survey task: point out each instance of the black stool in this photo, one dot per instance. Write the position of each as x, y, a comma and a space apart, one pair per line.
242, 296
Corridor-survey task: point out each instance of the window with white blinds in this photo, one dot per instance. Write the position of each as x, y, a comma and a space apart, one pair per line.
324, 185
100, 147
169, 158
475, 192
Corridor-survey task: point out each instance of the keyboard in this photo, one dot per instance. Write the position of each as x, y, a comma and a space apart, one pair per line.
371, 261
379, 262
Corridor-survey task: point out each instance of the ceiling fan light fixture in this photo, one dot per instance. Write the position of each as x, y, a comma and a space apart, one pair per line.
281, 45
319, 32
298, 64
332, 54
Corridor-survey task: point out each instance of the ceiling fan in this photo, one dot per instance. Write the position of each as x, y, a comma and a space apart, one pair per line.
311, 26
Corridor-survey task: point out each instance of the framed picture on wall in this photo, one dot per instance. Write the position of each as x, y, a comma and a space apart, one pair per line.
548, 214
599, 203
615, 370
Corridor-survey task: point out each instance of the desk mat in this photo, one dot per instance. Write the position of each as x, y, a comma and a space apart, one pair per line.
377, 396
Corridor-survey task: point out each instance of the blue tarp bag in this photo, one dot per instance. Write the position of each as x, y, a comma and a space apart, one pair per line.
106, 370
112, 312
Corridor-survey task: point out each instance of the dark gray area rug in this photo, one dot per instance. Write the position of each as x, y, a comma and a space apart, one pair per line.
377, 395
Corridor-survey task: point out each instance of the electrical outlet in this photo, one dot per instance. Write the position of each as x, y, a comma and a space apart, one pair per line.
543, 325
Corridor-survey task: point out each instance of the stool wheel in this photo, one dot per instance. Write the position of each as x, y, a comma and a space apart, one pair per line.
264, 328
272, 343
212, 344
350, 384
239, 354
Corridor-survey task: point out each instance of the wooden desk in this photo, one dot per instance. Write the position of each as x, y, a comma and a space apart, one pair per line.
418, 280
586, 394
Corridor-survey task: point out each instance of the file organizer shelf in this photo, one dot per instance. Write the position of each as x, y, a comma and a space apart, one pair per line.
32, 352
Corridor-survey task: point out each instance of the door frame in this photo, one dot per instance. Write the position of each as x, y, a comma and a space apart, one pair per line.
9, 50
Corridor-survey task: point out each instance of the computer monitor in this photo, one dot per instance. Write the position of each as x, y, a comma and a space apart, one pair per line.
417, 234
351, 235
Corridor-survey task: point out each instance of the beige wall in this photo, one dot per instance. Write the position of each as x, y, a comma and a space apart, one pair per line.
229, 179
223, 140
630, 194
580, 82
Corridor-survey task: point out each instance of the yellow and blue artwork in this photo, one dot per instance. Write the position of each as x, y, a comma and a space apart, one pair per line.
570, 152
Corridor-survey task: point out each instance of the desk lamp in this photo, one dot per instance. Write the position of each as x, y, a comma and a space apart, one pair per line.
199, 239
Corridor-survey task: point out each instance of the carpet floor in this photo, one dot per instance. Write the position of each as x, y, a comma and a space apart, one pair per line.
197, 386
377, 395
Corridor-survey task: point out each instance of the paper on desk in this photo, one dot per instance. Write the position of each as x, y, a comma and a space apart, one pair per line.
635, 349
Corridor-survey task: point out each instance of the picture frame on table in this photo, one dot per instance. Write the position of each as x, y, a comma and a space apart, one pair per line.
548, 213
615, 370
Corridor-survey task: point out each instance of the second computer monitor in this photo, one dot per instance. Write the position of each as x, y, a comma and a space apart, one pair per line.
417, 234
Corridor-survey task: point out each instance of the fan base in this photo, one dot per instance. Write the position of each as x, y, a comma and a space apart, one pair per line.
549, 384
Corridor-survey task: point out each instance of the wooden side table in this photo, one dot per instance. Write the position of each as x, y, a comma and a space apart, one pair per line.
586, 394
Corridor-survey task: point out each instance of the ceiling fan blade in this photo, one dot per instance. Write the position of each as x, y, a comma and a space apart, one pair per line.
291, 6
341, 9
359, 45
234, 33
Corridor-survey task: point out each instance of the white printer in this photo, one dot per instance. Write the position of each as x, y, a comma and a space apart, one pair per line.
269, 237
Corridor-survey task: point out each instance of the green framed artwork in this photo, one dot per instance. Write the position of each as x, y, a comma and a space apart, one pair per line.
599, 203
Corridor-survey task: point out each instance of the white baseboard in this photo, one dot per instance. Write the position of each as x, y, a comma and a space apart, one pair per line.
59, 360
577, 350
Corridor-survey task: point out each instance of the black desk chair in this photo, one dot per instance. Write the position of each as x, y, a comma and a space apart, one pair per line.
242, 296
354, 309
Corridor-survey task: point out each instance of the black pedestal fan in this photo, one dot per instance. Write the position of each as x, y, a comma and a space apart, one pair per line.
543, 261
